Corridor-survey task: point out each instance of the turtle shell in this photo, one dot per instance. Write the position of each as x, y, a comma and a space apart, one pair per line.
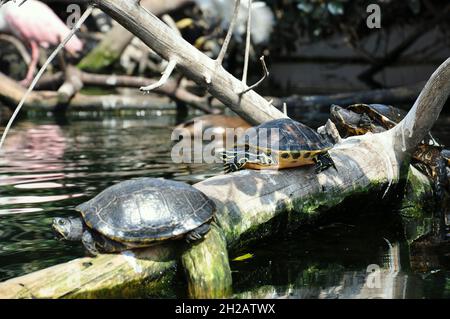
385, 115
147, 209
285, 135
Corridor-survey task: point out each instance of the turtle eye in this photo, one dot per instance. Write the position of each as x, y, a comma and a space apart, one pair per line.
61, 222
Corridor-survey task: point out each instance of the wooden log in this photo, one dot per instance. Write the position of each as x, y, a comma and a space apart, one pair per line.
71, 86
108, 51
172, 89
252, 206
207, 267
11, 93
104, 276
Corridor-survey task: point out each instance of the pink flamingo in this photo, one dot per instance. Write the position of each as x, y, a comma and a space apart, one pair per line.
37, 25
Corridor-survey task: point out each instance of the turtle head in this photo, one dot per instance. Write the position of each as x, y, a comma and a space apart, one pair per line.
68, 228
347, 120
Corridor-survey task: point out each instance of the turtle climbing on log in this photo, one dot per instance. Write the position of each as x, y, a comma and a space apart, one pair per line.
139, 213
359, 119
428, 157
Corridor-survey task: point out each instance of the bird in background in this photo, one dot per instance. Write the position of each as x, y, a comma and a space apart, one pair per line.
38, 26
263, 19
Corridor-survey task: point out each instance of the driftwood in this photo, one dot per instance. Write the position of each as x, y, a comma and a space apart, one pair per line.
12, 92
172, 89
251, 205
71, 86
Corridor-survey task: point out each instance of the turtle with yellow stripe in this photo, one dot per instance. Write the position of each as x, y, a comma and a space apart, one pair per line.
279, 144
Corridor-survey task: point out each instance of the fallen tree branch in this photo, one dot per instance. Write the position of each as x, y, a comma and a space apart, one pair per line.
18, 45
72, 85
265, 75
251, 206
421, 118
227, 40
12, 92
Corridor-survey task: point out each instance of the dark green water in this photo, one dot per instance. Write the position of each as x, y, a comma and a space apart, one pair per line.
51, 167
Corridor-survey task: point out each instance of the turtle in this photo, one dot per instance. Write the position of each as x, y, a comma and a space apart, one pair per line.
279, 144
138, 213
359, 119
428, 157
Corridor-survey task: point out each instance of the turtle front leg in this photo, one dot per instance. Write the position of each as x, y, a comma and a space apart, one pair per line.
96, 243
89, 243
233, 162
198, 233
323, 161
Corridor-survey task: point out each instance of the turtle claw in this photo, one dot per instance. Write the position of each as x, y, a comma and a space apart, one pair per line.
193, 237
323, 162
230, 168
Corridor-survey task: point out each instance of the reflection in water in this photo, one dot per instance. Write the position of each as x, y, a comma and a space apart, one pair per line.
48, 169
341, 262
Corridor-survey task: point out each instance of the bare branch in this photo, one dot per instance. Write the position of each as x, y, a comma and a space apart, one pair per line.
18, 45
247, 43
265, 75
227, 40
165, 76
